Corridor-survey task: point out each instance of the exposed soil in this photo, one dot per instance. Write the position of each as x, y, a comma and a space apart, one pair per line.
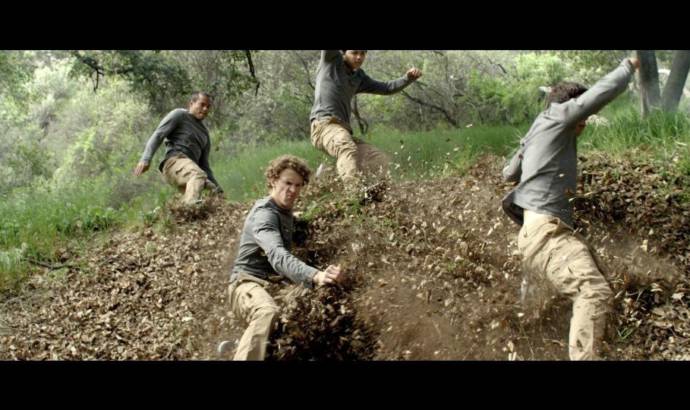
433, 275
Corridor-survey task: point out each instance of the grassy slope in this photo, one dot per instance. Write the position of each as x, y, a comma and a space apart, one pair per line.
38, 222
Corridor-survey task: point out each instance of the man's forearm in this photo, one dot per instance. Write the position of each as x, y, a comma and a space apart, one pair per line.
152, 146
212, 178
291, 267
604, 91
386, 88
204, 165
267, 235
167, 124
513, 170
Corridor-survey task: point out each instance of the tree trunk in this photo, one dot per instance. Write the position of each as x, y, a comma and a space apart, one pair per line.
649, 81
673, 89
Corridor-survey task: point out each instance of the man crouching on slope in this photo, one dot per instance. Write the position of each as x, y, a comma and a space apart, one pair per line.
545, 167
264, 251
188, 145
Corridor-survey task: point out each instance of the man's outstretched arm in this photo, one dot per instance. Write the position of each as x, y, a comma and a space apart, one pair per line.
372, 86
166, 126
601, 93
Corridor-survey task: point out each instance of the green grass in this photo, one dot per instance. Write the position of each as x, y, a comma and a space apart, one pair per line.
663, 137
242, 176
413, 155
36, 221
426, 154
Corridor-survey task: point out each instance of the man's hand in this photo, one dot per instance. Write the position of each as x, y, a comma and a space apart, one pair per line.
635, 62
413, 74
332, 275
142, 167
215, 189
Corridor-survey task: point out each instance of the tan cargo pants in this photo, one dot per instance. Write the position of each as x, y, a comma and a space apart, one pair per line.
183, 173
251, 304
355, 158
552, 251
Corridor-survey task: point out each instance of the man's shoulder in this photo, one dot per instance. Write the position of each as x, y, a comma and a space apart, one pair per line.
331, 56
177, 113
261, 202
265, 206
554, 114
264, 212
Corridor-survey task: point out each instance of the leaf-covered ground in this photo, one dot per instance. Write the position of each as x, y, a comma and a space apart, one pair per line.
433, 274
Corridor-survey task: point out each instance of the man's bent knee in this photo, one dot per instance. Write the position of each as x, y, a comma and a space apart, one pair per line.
265, 315
598, 290
268, 310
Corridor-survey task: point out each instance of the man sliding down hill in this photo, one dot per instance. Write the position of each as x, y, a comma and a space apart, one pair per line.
264, 253
188, 144
338, 78
545, 167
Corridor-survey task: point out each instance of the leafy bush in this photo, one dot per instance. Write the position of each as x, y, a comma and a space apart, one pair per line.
515, 98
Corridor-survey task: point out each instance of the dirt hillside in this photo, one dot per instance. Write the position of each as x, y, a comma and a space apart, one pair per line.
433, 268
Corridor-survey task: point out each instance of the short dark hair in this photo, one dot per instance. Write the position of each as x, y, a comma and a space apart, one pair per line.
345, 51
197, 94
564, 91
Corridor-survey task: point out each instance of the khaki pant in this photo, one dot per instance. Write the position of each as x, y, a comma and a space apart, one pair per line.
552, 251
354, 157
251, 304
185, 174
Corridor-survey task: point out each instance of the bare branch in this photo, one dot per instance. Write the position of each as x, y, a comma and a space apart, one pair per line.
96, 69
422, 85
252, 71
440, 109
306, 68
47, 265
498, 65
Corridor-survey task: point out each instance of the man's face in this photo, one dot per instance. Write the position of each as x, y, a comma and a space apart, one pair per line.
354, 58
580, 127
286, 188
200, 108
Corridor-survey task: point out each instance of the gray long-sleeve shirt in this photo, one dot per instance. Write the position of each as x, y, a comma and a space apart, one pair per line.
183, 134
336, 84
545, 164
265, 245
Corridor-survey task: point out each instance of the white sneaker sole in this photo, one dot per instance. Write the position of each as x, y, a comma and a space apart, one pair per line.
224, 347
